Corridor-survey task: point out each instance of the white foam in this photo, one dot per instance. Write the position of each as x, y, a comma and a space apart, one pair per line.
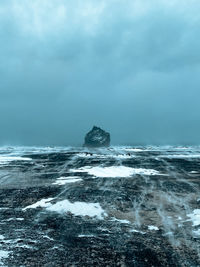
152, 227
1, 237
43, 203
116, 171
195, 217
78, 208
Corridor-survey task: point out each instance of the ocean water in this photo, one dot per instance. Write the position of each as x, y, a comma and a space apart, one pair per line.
116, 206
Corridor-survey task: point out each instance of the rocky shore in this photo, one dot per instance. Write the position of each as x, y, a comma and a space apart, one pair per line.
118, 206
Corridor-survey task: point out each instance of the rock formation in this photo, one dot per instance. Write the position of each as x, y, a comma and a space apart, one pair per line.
97, 138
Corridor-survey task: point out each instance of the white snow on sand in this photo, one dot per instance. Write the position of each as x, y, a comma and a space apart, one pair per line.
123, 156
14, 219
67, 180
47, 237
89, 155
67, 177
105, 156
152, 227
168, 234
116, 171
195, 217
5, 159
136, 231
19, 219
197, 232
78, 208
3, 254
43, 203
180, 156
121, 221
85, 235
134, 149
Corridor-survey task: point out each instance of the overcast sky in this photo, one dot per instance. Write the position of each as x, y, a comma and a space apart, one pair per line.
131, 67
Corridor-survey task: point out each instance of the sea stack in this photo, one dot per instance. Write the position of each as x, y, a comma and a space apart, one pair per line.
97, 138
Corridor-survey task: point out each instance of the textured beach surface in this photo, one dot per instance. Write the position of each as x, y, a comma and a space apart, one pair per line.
117, 206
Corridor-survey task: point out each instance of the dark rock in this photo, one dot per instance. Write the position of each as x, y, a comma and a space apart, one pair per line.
97, 138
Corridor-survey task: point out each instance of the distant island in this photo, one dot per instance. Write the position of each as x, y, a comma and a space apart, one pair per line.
97, 138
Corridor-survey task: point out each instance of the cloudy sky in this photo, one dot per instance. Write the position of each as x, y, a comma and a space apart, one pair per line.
129, 66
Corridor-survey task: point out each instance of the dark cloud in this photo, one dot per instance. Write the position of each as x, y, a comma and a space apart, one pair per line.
131, 67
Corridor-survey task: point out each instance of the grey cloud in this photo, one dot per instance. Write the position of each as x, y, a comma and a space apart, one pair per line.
134, 73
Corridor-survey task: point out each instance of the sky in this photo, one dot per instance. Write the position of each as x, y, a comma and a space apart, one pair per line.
131, 67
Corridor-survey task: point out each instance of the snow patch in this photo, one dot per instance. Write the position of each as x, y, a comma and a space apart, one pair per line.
152, 227
115, 171
121, 221
180, 156
136, 231
134, 149
195, 217
197, 232
19, 219
14, 219
67, 177
24, 246
4, 159
123, 156
43, 203
78, 208
47, 237
85, 235
3, 254
105, 156
168, 234
67, 180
